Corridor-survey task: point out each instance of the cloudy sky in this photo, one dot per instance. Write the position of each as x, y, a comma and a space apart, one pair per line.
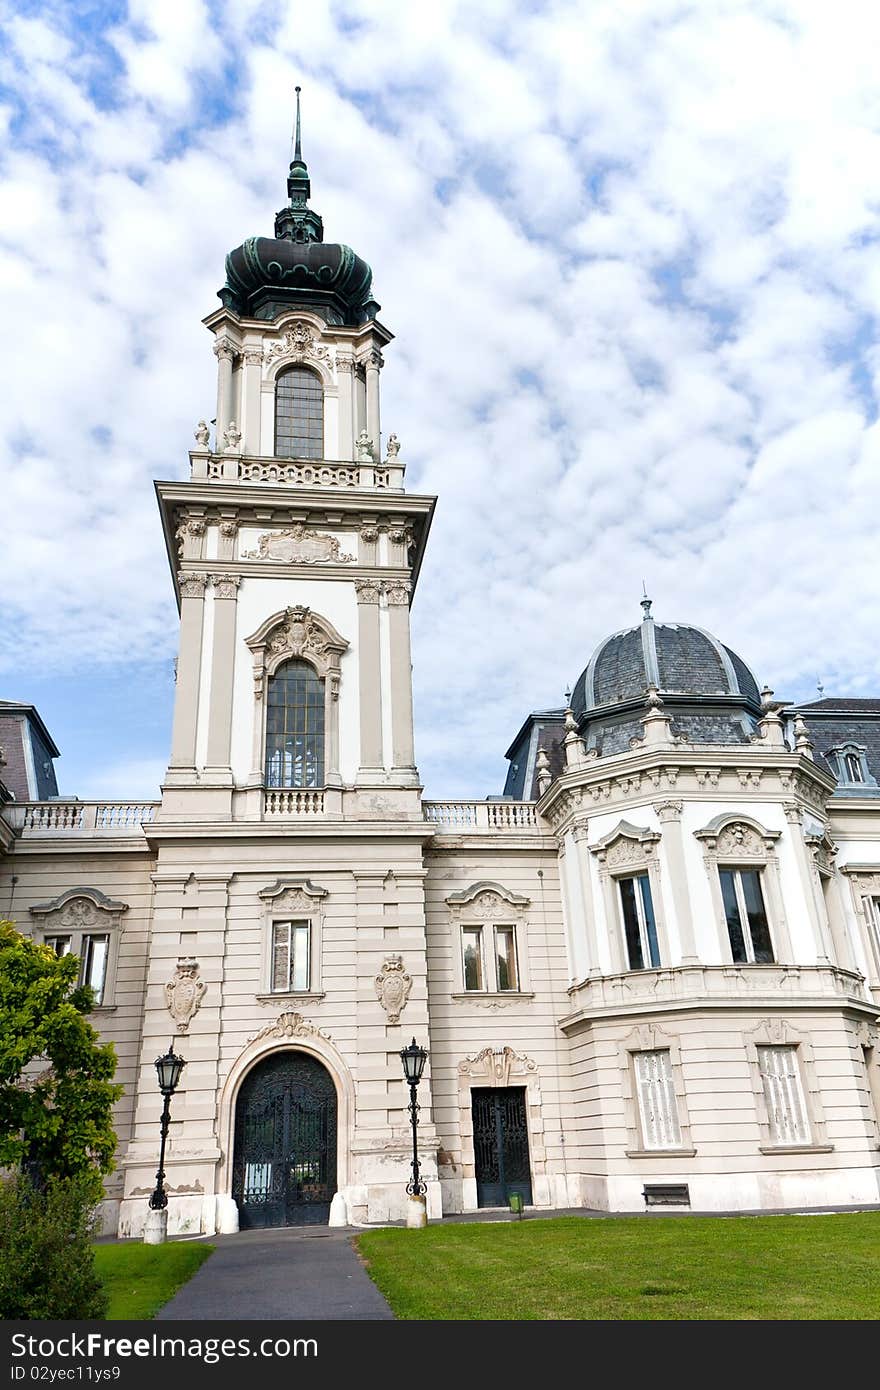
630, 252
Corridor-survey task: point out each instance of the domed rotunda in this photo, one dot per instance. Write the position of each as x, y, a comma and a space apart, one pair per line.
707, 689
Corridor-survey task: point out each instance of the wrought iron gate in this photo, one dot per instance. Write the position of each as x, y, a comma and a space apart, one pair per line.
501, 1145
284, 1170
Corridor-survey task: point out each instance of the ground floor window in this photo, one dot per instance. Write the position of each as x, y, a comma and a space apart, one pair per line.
784, 1095
658, 1108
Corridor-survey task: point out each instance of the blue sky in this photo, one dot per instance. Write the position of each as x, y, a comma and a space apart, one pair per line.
630, 254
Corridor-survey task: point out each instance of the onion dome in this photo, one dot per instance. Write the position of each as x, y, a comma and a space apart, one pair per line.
711, 693
296, 267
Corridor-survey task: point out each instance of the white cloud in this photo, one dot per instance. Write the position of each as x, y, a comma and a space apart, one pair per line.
629, 252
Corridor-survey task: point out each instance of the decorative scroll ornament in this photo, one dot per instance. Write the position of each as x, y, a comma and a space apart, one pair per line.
184, 992
290, 1025
297, 546
393, 985
298, 342
495, 1067
299, 635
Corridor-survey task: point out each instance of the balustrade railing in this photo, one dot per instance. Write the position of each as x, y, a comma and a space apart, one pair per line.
294, 801
481, 815
79, 817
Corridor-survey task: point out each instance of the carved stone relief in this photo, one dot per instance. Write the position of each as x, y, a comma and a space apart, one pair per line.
184, 992
298, 343
298, 546
290, 1025
496, 1067
393, 986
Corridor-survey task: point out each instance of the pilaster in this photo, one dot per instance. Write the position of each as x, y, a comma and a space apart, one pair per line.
222, 670
669, 814
372, 768
403, 770
189, 667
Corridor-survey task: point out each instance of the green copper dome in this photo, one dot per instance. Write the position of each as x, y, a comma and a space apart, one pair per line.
266, 275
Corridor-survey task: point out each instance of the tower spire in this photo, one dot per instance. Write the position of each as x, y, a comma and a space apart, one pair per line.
297, 152
297, 222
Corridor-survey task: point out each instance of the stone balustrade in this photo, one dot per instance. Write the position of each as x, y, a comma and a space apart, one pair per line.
78, 817
638, 991
292, 801
481, 815
311, 473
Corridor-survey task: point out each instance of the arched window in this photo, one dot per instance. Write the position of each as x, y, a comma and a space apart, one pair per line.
295, 727
299, 414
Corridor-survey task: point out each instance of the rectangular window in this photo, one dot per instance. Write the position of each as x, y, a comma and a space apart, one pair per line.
872, 1072
505, 958
746, 916
639, 925
852, 765
874, 923
657, 1104
472, 951
783, 1092
93, 968
59, 944
290, 957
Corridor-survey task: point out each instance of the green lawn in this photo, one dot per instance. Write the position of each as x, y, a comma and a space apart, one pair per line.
141, 1278
774, 1267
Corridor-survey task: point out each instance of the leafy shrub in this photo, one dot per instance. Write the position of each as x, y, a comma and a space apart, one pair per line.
47, 1267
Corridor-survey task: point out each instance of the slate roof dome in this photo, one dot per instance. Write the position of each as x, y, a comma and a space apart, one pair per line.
707, 689
266, 275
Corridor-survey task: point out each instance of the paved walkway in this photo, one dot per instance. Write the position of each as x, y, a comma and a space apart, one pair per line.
297, 1273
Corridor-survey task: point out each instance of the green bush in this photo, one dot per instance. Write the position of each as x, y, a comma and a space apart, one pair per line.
47, 1267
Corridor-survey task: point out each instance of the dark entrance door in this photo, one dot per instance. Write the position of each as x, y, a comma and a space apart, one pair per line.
501, 1145
284, 1171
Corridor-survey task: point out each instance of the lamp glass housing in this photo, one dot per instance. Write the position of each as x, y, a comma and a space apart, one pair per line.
413, 1059
168, 1070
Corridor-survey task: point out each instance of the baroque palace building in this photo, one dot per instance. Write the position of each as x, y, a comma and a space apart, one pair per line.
649, 971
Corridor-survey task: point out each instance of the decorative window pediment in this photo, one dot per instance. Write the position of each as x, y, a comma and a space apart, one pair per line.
626, 846
487, 901
297, 632
80, 909
734, 836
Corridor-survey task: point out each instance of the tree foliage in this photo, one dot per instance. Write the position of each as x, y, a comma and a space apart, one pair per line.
56, 1086
48, 1264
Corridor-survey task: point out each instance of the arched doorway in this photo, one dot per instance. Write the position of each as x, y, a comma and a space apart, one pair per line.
284, 1167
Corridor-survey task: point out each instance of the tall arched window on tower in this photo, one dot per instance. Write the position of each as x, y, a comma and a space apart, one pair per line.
295, 727
299, 414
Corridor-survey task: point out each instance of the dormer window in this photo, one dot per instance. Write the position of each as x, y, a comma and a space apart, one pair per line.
299, 414
850, 766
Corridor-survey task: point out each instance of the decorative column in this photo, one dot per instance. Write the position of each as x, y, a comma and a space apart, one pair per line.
251, 400
398, 593
581, 834
222, 665
806, 875
189, 666
345, 377
372, 765
224, 353
669, 813
372, 364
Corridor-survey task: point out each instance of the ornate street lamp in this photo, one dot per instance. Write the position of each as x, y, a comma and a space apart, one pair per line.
414, 1059
168, 1071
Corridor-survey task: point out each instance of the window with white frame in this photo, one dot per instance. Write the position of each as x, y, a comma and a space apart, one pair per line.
291, 957
746, 916
639, 922
784, 1095
658, 1108
873, 905
852, 765
93, 949
472, 958
500, 973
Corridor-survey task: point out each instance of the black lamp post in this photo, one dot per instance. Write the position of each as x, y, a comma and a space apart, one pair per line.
168, 1070
414, 1059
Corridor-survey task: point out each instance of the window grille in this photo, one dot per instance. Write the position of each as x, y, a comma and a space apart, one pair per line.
783, 1092
657, 1104
299, 415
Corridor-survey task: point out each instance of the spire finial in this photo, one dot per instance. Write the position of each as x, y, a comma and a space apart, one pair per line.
645, 602
297, 149
297, 222
820, 687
